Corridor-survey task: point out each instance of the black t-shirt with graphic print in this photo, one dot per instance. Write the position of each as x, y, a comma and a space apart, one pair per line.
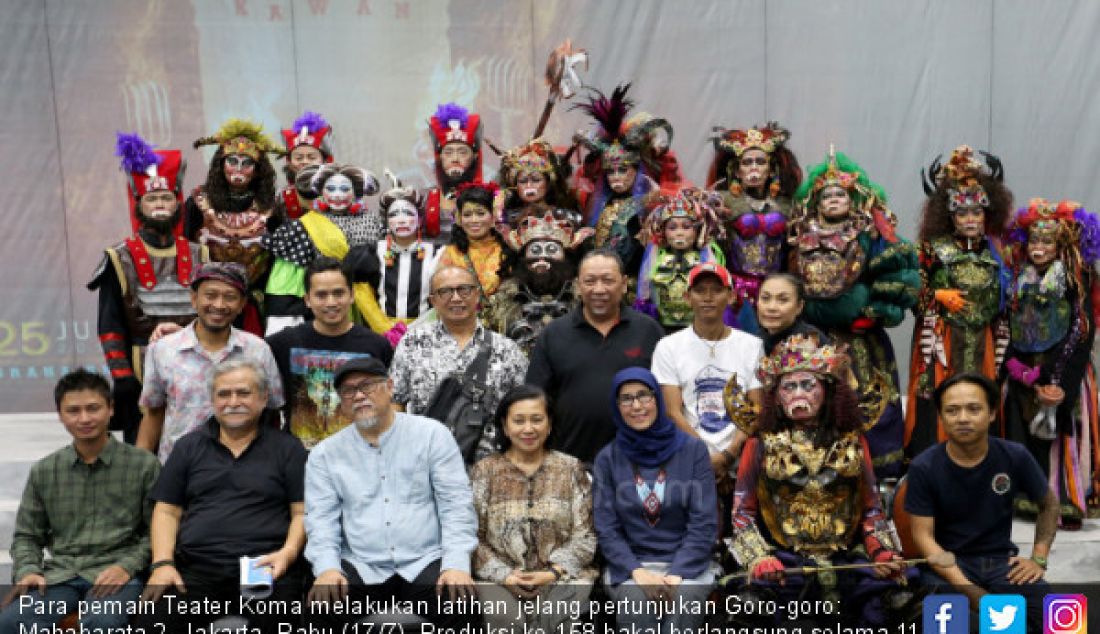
972, 507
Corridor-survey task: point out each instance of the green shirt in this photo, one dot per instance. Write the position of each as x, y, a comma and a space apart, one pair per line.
89, 516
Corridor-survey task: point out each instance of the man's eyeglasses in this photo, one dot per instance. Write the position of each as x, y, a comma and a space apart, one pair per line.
464, 291
643, 398
349, 390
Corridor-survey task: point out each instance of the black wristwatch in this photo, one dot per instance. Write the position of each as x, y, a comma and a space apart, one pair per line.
161, 563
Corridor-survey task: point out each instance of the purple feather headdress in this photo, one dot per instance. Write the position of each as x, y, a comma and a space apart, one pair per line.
1090, 235
312, 121
136, 154
609, 113
447, 111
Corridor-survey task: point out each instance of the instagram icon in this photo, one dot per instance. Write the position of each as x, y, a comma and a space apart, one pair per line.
1065, 614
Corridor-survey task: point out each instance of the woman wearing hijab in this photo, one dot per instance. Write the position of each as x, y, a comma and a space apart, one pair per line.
655, 507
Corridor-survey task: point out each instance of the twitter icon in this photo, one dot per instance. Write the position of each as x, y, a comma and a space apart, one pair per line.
1002, 614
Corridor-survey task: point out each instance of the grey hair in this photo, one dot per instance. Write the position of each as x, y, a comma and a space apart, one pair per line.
262, 381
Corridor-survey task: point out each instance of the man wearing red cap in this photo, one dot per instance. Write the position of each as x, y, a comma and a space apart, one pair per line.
456, 140
694, 364
142, 281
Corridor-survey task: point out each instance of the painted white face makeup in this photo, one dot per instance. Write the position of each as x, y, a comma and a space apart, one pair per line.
239, 170
531, 187
752, 168
402, 219
338, 192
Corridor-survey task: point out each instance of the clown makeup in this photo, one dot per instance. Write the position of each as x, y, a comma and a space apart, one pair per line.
1042, 250
456, 158
969, 222
541, 255
753, 168
834, 203
303, 156
403, 221
531, 187
159, 205
620, 177
338, 193
680, 233
801, 395
239, 169
475, 220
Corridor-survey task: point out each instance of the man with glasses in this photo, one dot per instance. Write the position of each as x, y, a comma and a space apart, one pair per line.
429, 354
389, 511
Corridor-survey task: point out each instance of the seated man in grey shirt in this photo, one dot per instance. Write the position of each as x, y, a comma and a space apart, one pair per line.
389, 510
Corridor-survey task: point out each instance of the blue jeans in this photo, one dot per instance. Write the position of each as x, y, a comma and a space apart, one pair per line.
991, 574
100, 617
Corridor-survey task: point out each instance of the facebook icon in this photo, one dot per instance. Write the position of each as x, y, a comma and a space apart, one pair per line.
946, 614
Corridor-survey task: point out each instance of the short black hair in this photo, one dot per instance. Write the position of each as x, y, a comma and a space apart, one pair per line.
603, 252
516, 394
80, 380
992, 392
323, 264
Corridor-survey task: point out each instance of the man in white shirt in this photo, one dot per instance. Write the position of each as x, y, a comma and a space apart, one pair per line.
694, 365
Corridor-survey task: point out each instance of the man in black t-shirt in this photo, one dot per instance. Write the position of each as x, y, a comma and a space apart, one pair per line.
309, 353
961, 494
231, 488
576, 355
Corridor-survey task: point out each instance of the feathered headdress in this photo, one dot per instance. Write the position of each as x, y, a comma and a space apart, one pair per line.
608, 140
1068, 223
148, 169
868, 199
309, 129
238, 136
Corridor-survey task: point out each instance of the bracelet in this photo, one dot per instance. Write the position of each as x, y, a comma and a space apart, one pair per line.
161, 563
556, 571
1042, 561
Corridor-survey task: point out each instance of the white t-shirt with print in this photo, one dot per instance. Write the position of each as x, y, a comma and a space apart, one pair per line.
683, 359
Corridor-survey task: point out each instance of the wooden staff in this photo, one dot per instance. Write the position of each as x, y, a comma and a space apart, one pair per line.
944, 559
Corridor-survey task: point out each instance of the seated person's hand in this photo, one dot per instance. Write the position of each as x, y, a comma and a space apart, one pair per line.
888, 564
109, 581
1023, 570
652, 584
517, 584
673, 580
279, 561
459, 585
164, 329
33, 581
768, 569
330, 586
161, 579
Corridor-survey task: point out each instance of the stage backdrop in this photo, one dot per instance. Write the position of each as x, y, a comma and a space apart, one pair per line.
890, 83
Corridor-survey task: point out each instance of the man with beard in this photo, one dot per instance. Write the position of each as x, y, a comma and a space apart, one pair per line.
306, 143
542, 288
175, 395
142, 281
456, 140
232, 212
389, 509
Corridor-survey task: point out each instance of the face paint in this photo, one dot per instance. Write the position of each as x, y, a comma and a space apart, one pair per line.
1042, 250
402, 219
620, 178
801, 395
753, 169
531, 187
239, 170
540, 255
338, 192
456, 159
969, 222
159, 205
680, 233
834, 203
